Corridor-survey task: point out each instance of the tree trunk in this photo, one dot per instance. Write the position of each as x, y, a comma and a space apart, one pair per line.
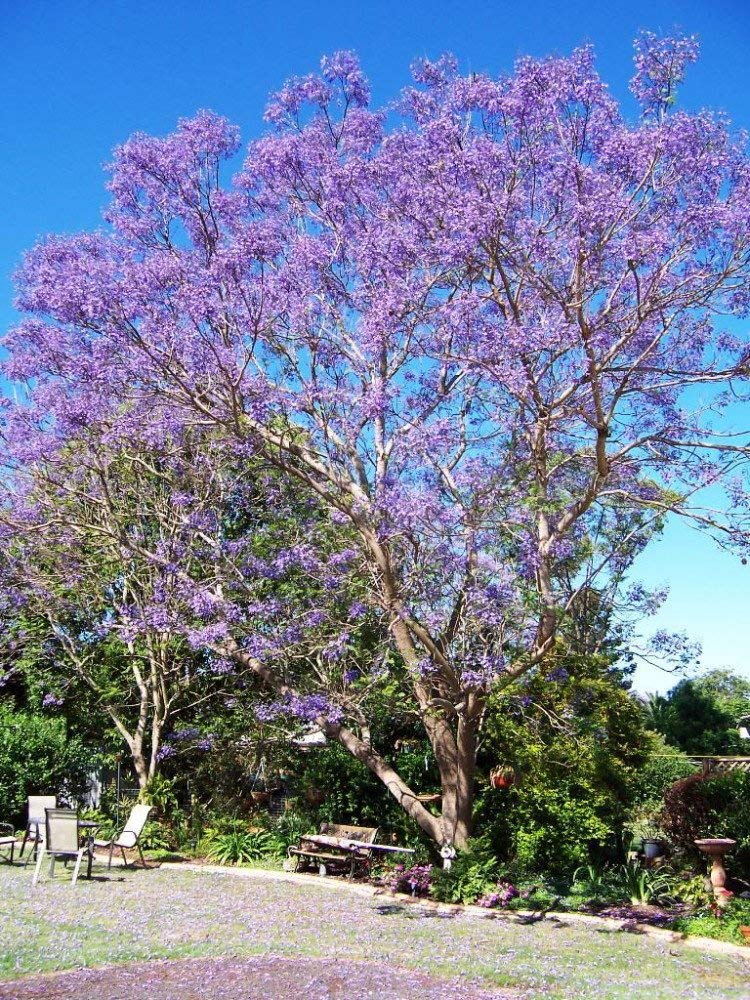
141, 767
456, 759
397, 787
455, 756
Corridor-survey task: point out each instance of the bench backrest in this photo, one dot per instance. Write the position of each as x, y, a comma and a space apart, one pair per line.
367, 834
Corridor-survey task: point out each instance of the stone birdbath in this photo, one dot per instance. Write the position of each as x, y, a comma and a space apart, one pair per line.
716, 848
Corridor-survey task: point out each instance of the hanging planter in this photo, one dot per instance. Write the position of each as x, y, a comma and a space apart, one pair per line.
502, 777
315, 796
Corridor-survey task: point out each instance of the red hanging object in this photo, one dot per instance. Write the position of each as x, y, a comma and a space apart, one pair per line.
502, 777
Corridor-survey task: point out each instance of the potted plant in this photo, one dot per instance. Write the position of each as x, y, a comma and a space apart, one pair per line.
646, 832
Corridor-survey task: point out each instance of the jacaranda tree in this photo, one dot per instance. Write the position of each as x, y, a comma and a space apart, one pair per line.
89, 546
483, 326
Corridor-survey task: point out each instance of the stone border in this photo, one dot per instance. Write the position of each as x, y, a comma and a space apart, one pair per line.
475, 912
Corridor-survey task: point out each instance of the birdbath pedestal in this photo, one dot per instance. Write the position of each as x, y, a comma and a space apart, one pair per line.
716, 848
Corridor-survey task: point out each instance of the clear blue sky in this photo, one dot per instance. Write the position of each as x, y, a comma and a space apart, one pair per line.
77, 77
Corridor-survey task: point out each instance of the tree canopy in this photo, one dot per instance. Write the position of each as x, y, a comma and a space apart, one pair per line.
482, 326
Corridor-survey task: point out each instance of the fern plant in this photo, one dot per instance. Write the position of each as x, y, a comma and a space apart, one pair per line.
238, 847
473, 873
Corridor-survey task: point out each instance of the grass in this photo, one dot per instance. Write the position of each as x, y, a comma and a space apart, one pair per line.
136, 915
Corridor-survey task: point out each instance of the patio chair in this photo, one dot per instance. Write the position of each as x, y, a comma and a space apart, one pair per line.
62, 840
36, 822
7, 842
130, 836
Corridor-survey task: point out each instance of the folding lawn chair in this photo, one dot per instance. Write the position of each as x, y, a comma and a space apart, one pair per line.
130, 835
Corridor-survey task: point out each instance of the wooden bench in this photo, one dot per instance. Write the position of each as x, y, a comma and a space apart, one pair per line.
337, 847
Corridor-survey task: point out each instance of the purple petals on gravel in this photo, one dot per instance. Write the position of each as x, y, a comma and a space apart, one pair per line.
246, 979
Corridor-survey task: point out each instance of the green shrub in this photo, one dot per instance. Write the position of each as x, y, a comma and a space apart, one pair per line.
557, 828
665, 766
695, 892
715, 923
646, 885
286, 831
38, 757
710, 806
631, 882
156, 837
575, 738
594, 884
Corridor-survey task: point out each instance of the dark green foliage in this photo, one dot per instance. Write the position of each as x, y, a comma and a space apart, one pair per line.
286, 831
349, 793
660, 771
710, 806
577, 743
593, 883
37, 757
702, 716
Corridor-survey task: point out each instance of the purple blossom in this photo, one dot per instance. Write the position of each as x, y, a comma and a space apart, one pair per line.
660, 67
306, 708
500, 896
415, 879
181, 735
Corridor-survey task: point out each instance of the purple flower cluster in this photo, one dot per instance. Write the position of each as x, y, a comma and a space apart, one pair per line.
500, 896
307, 708
415, 879
660, 66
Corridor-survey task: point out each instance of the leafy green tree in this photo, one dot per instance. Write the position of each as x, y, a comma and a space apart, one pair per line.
91, 581
38, 757
702, 715
575, 740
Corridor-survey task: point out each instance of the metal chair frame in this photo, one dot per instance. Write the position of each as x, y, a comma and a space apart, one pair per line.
8, 841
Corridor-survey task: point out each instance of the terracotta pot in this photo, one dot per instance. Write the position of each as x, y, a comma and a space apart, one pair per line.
745, 932
502, 777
